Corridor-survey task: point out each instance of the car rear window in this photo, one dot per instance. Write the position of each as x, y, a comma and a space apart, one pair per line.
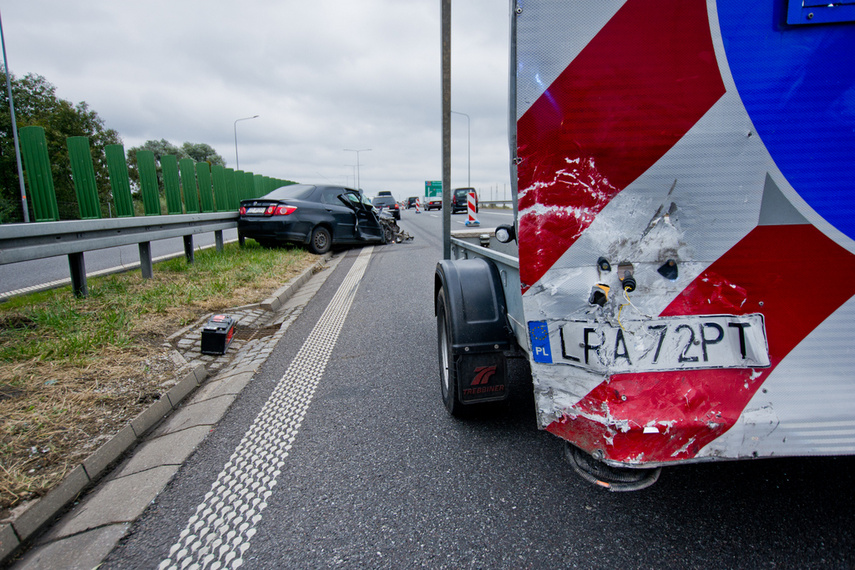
384, 201
293, 192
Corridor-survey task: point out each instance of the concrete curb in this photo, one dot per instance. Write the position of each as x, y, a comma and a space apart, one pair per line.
275, 301
34, 515
27, 520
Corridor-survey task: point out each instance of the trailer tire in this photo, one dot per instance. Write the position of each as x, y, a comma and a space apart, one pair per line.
447, 370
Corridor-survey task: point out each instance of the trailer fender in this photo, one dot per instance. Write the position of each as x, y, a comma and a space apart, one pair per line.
476, 305
472, 333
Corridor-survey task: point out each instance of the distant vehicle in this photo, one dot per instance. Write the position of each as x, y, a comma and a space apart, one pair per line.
388, 202
459, 200
316, 216
433, 202
411, 202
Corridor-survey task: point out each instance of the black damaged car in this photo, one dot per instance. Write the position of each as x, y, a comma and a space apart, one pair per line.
318, 217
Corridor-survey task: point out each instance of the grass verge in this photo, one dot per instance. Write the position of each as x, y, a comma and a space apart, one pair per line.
73, 372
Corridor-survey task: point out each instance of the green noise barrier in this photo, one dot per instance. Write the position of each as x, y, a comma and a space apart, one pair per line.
203, 176
171, 184
38, 174
83, 177
188, 185
148, 182
120, 183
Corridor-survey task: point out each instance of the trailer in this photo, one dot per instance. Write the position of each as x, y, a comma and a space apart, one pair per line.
680, 274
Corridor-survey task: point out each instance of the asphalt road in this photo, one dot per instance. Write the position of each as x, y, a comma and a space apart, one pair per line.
376, 474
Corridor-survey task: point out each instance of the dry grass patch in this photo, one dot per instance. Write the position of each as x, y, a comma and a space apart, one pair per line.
73, 372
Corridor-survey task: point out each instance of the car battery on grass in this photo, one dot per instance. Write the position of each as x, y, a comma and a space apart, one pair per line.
217, 334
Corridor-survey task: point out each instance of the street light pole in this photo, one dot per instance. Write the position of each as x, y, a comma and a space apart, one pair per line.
14, 129
468, 150
357, 162
237, 162
353, 166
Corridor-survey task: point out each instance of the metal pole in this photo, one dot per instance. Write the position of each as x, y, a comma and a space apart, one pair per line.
347, 176
468, 150
446, 128
512, 110
14, 128
357, 151
237, 162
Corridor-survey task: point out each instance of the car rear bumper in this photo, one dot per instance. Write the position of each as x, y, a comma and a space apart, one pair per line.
261, 230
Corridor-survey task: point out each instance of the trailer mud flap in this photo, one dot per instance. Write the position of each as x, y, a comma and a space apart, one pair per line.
482, 377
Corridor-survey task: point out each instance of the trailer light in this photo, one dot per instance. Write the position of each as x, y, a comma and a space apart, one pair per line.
628, 283
505, 234
604, 265
625, 274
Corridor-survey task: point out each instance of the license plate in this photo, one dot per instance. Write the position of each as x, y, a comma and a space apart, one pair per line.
256, 211
667, 343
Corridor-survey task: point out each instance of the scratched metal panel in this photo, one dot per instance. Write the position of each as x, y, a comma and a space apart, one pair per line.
627, 154
569, 26
805, 406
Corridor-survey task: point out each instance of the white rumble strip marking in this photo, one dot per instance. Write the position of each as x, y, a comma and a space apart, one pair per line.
219, 533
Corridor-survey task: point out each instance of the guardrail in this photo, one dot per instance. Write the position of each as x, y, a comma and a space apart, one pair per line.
27, 242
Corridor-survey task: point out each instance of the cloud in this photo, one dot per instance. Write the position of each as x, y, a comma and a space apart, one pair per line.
322, 76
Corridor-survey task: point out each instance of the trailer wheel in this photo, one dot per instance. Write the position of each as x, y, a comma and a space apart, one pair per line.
447, 371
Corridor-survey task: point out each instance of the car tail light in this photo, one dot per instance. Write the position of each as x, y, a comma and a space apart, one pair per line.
242, 210
280, 210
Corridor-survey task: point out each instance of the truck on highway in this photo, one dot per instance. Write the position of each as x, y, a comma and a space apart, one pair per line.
680, 273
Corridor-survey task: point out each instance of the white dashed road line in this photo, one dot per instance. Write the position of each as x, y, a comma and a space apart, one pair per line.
219, 533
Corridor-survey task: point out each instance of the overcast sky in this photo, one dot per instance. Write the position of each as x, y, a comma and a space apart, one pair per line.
323, 76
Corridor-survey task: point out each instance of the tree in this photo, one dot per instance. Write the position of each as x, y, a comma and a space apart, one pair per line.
159, 148
36, 104
199, 152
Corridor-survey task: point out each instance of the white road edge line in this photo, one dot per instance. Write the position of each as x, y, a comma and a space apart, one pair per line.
99, 272
219, 533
